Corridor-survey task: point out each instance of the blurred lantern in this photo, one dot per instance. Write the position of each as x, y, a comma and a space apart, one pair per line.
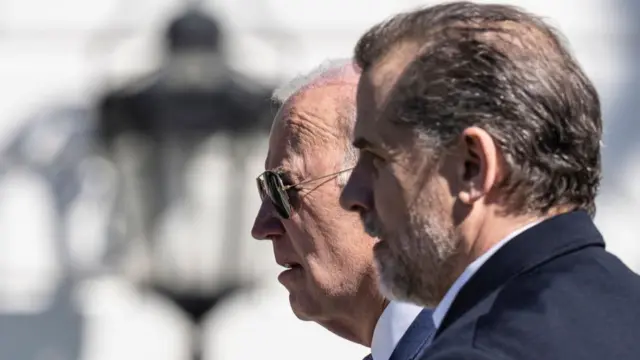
154, 130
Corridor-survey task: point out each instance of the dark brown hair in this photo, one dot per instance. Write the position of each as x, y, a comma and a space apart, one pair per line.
506, 71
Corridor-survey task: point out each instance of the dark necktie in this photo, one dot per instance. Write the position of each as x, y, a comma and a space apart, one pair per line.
368, 357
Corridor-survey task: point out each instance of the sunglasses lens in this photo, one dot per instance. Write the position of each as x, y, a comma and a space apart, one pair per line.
261, 188
277, 194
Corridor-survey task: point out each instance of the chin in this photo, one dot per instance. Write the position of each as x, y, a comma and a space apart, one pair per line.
387, 285
302, 309
399, 282
392, 274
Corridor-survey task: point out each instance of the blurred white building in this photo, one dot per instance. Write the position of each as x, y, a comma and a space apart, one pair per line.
65, 51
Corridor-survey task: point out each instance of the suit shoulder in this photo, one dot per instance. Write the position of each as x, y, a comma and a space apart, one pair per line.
591, 275
563, 307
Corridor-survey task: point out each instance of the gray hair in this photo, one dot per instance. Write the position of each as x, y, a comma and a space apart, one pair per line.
293, 86
283, 93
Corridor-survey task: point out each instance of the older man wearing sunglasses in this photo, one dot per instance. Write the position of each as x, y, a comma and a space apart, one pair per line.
327, 256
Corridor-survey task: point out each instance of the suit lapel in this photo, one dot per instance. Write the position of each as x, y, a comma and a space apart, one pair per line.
416, 337
551, 238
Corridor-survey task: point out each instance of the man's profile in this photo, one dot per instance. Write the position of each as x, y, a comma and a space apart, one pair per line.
326, 256
480, 163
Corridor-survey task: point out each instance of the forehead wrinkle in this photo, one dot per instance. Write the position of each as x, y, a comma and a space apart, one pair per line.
306, 131
314, 116
292, 146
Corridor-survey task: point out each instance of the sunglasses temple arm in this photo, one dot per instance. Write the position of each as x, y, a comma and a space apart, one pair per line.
318, 178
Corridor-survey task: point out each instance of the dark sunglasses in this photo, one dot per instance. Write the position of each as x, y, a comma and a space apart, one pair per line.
270, 185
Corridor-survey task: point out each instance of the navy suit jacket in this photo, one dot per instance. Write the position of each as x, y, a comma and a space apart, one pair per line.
415, 339
553, 293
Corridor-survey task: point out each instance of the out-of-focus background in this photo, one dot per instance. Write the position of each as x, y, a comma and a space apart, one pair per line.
130, 136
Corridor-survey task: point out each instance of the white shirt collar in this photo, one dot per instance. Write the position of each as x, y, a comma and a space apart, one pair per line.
391, 326
444, 305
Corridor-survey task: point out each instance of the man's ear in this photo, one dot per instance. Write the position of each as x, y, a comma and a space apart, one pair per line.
479, 170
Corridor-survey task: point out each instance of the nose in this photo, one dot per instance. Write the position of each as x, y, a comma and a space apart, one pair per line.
357, 195
267, 224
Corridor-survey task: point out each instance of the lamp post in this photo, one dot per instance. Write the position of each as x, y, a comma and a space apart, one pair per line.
170, 116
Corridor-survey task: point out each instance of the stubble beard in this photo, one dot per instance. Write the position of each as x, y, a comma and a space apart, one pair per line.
416, 264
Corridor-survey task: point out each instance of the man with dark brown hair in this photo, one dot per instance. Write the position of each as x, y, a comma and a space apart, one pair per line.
479, 165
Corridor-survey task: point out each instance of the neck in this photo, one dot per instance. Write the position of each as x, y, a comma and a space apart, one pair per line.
494, 230
477, 237
359, 321
357, 329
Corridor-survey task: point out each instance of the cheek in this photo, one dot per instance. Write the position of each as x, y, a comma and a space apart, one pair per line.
337, 239
298, 239
302, 232
312, 225
388, 197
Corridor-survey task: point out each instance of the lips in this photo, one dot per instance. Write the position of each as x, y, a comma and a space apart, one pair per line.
286, 257
289, 265
291, 275
287, 262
